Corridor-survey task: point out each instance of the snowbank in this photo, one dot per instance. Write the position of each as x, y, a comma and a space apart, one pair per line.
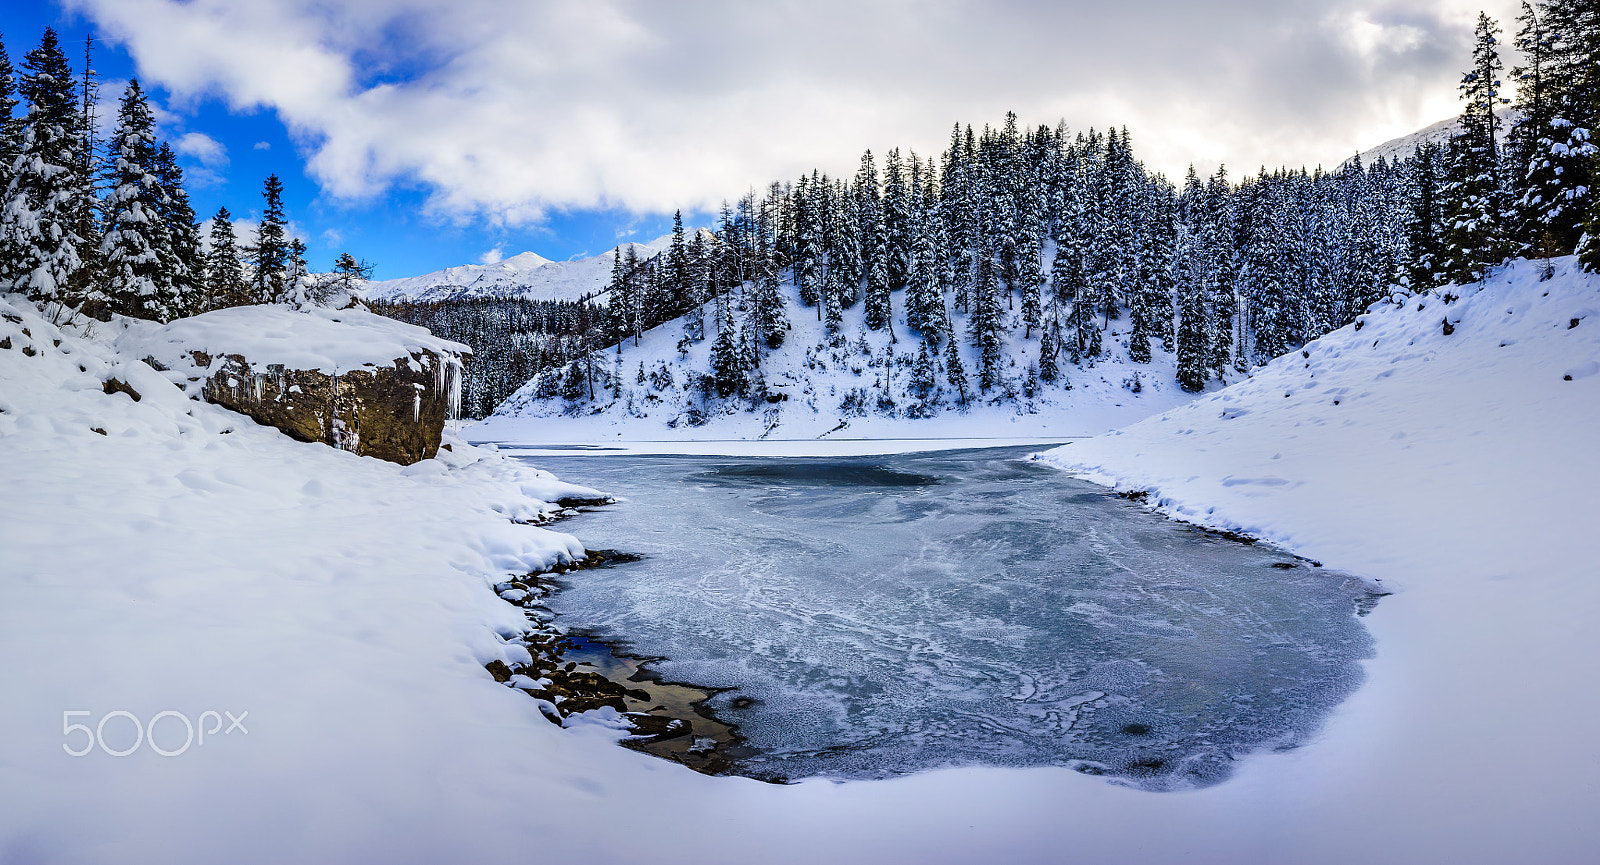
326, 340
189, 561
1460, 469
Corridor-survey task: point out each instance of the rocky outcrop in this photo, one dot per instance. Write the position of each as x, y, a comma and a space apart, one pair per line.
395, 413
346, 378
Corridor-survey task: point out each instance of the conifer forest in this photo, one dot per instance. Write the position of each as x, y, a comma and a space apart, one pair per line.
997, 269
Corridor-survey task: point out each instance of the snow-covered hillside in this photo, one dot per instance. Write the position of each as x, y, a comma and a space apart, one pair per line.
164, 555
864, 384
529, 276
1451, 450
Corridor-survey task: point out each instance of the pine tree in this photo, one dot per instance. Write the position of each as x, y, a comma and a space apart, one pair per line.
86, 226
10, 125
727, 362
952, 368
678, 276
1424, 231
1475, 197
896, 223
269, 255
1049, 366
187, 260
985, 323
923, 377
225, 284
833, 314
767, 321
878, 309
39, 250
136, 246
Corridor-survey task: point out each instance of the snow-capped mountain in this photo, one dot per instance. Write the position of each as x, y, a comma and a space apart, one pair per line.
529, 275
1401, 148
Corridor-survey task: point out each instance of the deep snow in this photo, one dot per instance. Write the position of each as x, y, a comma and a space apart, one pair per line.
345, 604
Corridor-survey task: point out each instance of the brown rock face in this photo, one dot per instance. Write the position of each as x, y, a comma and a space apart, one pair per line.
395, 413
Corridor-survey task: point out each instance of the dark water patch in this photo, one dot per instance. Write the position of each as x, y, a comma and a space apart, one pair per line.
813, 473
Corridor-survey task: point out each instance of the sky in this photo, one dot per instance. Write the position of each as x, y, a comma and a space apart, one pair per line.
421, 134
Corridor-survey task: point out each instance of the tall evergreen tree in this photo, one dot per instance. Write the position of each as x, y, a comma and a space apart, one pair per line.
10, 124
985, 324
1474, 194
137, 246
186, 264
1424, 227
269, 255
86, 225
225, 284
39, 250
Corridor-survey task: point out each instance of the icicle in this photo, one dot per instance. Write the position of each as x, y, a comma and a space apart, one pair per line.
453, 411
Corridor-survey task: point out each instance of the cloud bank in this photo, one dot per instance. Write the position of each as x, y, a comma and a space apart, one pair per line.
507, 111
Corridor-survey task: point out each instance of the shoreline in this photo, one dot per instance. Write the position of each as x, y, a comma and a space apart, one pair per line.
574, 671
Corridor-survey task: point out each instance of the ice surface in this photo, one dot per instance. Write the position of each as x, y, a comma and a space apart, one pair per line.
881, 615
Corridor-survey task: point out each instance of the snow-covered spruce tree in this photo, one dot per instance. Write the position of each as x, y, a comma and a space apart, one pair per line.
1424, 227
727, 362
225, 284
766, 319
833, 291
1475, 198
1192, 313
10, 124
806, 267
89, 279
269, 255
952, 367
1222, 302
39, 251
985, 324
878, 307
1275, 316
187, 261
924, 378
137, 246
678, 275
896, 228
1560, 165
1049, 366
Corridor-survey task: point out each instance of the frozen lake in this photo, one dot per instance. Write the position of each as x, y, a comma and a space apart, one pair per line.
875, 616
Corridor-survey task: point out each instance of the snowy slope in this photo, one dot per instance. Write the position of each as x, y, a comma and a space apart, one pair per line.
1400, 149
528, 275
1460, 469
189, 560
835, 392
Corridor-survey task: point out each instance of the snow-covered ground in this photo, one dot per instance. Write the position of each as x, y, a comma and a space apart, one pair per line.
813, 384
344, 604
1460, 470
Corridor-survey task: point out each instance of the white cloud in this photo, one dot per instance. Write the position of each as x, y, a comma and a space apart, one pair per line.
492, 256
263, 145
507, 110
202, 148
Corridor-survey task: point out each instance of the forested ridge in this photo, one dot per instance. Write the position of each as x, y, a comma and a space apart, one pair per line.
996, 269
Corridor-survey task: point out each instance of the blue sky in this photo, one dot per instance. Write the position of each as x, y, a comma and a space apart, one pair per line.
390, 230
420, 134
